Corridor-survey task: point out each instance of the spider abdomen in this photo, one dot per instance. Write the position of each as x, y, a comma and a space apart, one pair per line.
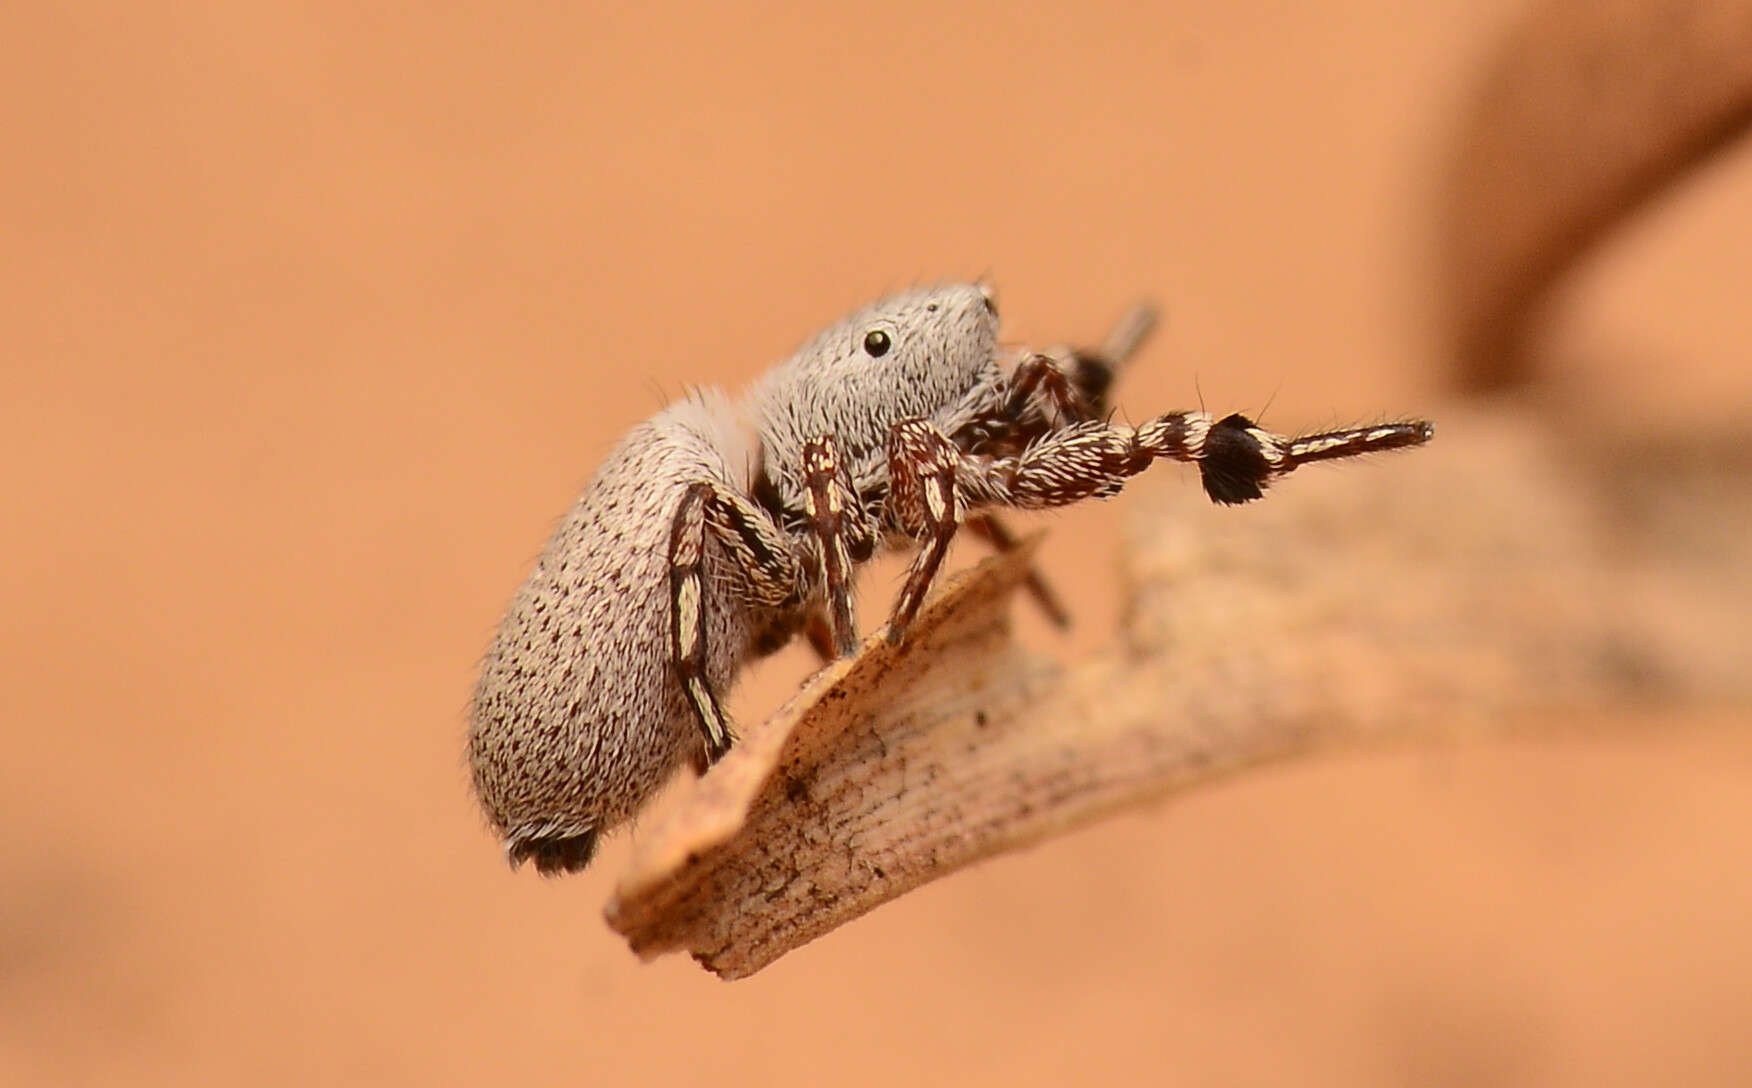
579, 716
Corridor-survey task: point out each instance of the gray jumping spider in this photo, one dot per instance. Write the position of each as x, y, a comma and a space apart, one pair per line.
716, 531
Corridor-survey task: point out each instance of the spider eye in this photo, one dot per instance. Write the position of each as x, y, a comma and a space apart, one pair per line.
876, 343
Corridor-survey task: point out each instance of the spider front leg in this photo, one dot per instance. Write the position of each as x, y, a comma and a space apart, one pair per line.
1092, 371
1236, 458
843, 530
1042, 374
922, 502
1076, 383
1071, 384
1069, 399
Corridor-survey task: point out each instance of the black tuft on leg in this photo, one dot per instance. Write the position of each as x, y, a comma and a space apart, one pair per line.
1232, 466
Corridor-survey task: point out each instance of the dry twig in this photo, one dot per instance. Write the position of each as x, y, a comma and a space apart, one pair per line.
1505, 585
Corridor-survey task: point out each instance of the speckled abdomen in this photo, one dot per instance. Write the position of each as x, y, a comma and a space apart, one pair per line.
578, 716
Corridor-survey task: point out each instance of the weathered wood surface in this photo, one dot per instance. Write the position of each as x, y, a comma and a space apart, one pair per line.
1452, 591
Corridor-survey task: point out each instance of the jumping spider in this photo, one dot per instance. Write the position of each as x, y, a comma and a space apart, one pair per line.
716, 531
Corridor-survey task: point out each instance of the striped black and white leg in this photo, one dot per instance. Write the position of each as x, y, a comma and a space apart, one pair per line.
843, 532
1042, 376
766, 574
923, 503
1236, 459
761, 555
687, 598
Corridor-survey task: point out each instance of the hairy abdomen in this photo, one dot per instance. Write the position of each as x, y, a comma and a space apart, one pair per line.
578, 717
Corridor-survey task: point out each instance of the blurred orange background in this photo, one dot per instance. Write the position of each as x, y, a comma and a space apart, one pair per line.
318, 316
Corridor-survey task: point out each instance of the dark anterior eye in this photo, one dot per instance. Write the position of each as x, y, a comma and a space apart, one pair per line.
876, 342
